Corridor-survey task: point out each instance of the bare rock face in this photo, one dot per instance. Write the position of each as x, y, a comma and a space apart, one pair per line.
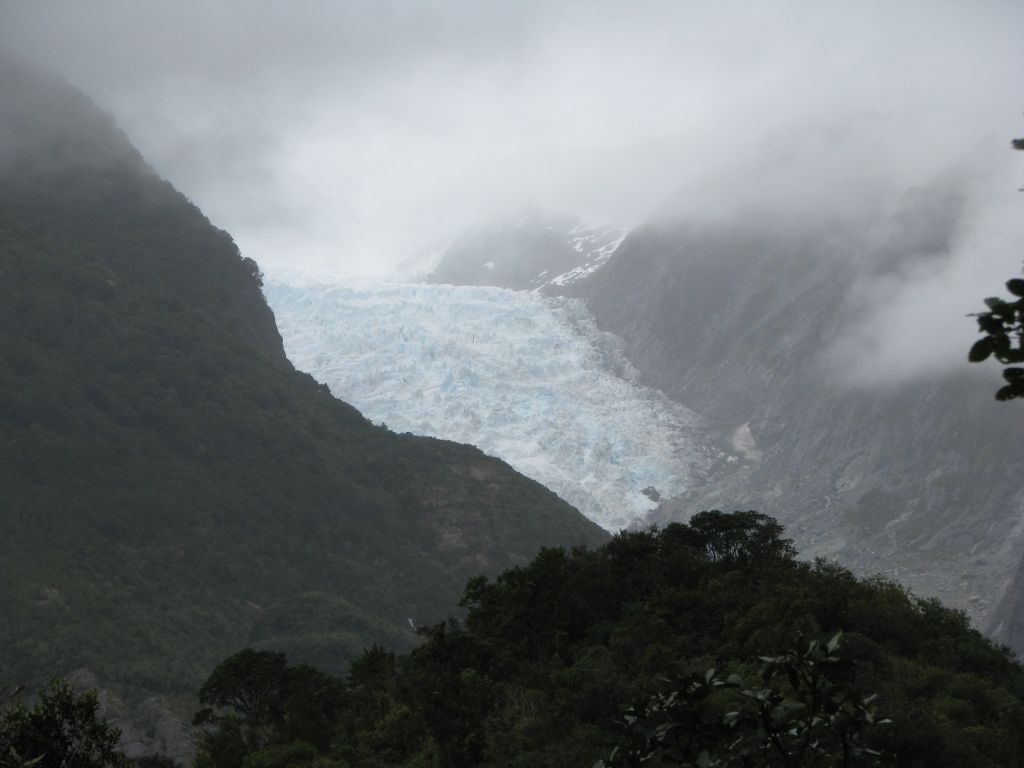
918, 481
536, 250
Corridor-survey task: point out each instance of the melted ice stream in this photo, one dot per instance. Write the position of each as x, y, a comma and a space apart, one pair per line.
524, 377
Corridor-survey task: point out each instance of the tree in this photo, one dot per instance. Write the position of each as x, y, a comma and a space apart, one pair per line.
1003, 329
255, 702
739, 538
800, 715
62, 730
250, 683
1003, 326
9, 757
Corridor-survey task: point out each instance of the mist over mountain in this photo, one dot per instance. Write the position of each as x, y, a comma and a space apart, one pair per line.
769, 327
355, 137
171, 488
779, 218
531, 251
748, 321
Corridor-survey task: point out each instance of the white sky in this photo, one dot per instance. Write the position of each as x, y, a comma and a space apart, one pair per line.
361, 136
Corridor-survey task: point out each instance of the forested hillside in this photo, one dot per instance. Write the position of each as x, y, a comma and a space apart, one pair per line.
811, 667
171, 489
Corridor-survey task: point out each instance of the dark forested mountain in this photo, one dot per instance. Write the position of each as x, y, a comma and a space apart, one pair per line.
917, 480
171, 489
537, 249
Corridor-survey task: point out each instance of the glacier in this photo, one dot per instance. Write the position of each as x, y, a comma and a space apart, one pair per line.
524, 377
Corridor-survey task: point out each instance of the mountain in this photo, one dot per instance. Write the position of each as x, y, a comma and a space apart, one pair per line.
171, 488
535, 250
522, 376
919, 481
737, 320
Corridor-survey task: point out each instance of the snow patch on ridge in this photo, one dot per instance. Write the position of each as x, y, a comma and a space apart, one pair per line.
524, 377
596, 258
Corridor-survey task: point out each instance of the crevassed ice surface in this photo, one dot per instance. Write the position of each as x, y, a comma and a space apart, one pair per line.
524, 377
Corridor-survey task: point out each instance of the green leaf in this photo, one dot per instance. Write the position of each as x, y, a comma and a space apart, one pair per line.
1007, 311
1008, 393
833, 643
794, 680
1015, 286
981, 350
989, 323
1001, 347
993, 301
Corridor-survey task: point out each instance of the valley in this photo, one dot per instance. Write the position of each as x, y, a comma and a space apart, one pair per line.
694, 362
545, 385
523, 377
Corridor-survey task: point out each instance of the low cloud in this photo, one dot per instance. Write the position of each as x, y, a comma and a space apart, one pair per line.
355, 136
912, 322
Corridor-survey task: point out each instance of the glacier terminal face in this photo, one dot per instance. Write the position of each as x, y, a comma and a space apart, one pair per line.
522, 376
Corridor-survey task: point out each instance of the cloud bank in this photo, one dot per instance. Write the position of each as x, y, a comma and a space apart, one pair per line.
360, 136
357, 135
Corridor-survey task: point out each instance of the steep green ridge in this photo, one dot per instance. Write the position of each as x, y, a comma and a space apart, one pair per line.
171, 489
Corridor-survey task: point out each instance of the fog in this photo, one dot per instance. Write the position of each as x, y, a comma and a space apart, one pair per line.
362, 137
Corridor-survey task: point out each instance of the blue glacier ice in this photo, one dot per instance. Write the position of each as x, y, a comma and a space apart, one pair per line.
524, 377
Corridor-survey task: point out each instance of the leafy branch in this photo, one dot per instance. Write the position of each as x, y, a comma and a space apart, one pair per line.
797, 716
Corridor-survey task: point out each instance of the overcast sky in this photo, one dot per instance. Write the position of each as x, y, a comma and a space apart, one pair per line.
360, 136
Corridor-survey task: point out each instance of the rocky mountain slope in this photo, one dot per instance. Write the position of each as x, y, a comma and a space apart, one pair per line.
535, 250
918, 481
171, 488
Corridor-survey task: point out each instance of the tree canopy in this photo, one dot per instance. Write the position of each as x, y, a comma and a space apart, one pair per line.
62, 729
559, 662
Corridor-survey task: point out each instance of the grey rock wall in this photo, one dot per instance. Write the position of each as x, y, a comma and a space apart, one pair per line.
920, 482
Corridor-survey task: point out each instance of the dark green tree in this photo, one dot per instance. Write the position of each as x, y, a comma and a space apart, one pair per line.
247, 690
61, 730
549, 655
739, 538
155, 761
800, 715
380, 724
1003, 329
257, 705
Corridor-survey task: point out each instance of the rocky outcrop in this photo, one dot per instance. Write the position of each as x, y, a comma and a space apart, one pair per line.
536, 250
918, 481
